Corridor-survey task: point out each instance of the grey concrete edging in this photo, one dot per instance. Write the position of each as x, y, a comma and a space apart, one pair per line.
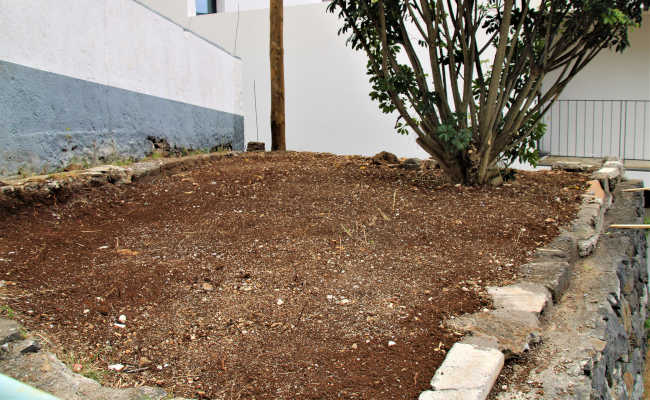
514, 325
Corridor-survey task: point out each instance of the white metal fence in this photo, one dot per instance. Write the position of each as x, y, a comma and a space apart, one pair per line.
597, 128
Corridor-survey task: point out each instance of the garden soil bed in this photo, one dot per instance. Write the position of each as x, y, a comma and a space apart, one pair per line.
288, 275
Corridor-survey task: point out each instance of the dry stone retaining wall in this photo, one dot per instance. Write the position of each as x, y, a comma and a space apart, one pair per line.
582, 299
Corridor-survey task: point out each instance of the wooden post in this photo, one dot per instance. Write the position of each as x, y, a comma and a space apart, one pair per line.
629, 226
643, 189
278, 141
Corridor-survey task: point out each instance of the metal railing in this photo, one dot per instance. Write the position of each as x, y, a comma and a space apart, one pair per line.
598, 128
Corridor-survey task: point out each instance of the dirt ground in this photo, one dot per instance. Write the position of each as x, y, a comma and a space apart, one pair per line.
284, 276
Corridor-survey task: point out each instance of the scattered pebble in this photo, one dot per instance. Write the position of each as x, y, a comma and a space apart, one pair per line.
116, 367
103, 247
77, 368
279, 302
391, 343
119, 325
122, 319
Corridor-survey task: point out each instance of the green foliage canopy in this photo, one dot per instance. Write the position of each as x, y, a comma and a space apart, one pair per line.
473, 79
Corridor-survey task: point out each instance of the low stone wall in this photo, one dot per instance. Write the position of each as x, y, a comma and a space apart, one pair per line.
582, 301
48, 189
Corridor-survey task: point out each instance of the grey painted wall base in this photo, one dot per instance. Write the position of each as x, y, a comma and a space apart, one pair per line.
48, 121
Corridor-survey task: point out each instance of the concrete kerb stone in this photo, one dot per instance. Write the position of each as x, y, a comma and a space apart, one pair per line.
514, 325
513, 331
468, 373
523, 296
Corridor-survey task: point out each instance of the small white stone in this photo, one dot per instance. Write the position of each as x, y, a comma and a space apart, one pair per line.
279, 302
86, 311
103, 247
119, 325
391, 343
116, 367
122, 319
159, 367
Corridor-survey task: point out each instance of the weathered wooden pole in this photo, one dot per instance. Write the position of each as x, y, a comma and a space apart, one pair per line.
278, 141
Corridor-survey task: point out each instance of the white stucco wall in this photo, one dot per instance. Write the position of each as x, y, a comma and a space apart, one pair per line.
605, 109
616, 76
123, 44
328, 108
246, 5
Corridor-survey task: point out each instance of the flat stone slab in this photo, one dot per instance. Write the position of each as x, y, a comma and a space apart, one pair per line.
523, 296
554, 276
513, 330
607, 173
452, 395
467, 373
574, 166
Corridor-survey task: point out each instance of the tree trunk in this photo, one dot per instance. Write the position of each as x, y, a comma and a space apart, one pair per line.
468, 169
278, 141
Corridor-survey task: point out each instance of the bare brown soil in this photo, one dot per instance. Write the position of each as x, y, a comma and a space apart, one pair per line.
284, 276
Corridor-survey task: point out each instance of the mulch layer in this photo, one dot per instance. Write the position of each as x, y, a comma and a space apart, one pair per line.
273, 275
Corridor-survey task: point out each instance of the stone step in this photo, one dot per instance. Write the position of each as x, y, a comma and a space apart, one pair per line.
468, 373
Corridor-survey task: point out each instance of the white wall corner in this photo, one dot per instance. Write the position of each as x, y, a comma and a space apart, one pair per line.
191, 8
222, 6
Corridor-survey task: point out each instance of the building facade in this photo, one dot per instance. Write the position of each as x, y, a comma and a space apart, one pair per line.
91, 81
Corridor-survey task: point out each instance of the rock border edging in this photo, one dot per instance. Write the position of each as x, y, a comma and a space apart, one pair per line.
510, 329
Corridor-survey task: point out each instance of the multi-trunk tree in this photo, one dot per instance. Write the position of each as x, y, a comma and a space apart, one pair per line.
473, 79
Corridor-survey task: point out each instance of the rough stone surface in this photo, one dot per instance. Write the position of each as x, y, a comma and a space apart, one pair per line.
468, 370
514, 331
554, 275
562, 248
411, 164
594, 340
452, 395
573, 166
522, 296
385, 157
25, 361
9, 331
609, 177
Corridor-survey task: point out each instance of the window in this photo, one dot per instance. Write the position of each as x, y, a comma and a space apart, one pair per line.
206, 7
